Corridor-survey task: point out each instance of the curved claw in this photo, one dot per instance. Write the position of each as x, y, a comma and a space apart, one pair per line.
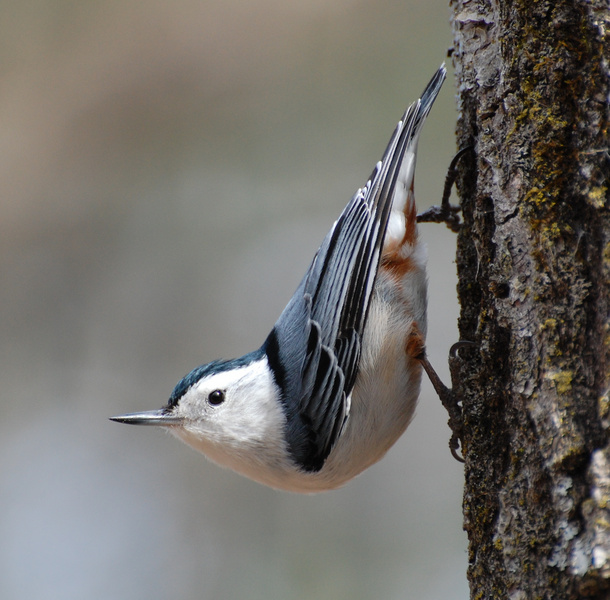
454, 444
452, 174
455, 349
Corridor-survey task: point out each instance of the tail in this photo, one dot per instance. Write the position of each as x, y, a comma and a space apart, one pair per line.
401, 233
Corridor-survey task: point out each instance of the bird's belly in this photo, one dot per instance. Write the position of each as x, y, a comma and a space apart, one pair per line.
382, 405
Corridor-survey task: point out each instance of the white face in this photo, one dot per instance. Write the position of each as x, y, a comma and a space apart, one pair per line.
236, 409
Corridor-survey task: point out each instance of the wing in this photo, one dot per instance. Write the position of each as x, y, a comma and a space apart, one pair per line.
314, 348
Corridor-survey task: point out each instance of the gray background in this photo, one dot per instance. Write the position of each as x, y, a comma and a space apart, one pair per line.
167, 170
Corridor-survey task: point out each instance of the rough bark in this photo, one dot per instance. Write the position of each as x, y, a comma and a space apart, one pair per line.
534, 285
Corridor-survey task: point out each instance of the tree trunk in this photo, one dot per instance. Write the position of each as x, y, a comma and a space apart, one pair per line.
534, 285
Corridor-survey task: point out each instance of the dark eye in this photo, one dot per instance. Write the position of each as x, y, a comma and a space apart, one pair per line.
216, 397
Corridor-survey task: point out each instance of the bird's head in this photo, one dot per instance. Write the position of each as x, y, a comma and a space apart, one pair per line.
224, 407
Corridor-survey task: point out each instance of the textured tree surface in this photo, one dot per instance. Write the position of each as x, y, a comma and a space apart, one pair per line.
534, 285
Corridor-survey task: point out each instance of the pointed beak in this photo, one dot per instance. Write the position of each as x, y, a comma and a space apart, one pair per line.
149, 417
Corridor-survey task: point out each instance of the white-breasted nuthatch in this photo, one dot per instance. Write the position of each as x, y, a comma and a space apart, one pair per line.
336, 382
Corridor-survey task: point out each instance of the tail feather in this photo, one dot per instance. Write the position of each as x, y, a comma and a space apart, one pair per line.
402, 224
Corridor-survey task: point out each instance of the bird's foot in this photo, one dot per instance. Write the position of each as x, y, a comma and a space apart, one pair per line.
447, 213
448, 397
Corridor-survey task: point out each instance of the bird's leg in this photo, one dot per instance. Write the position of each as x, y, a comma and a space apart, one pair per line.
447, 213
448, 397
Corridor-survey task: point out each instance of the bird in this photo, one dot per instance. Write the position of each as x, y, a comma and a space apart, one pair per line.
336, 381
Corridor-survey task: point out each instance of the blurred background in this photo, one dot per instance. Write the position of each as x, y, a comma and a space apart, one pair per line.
167, 170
